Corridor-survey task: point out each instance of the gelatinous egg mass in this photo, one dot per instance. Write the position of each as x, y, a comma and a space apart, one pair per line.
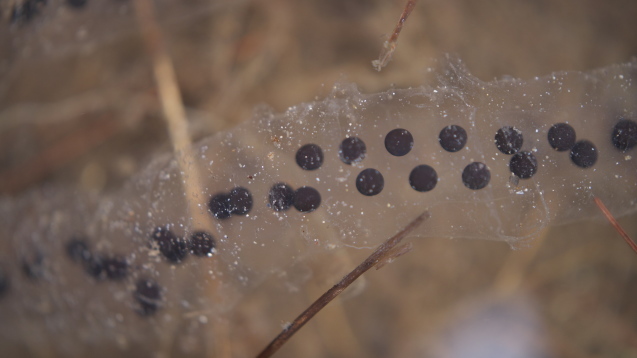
450, 156
157, 266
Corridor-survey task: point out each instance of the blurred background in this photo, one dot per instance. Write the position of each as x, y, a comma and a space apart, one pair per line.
78, 107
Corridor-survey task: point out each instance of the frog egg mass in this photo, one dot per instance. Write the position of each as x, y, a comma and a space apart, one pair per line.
132, 270
338, 169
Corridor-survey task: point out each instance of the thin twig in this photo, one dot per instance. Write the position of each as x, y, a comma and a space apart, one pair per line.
379, 255
175, 116
615, 224
390, 45
172, 106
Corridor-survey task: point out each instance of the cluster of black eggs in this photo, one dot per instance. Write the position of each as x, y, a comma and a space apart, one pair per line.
280, 198
583, 153
369, 182
96, 265
423, 178
237, 202
147, 292
476, 175
175, 249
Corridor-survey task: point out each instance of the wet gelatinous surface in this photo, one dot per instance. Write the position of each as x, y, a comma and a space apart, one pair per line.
168, 283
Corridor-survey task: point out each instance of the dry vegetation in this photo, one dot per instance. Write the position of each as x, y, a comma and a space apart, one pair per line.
88, 116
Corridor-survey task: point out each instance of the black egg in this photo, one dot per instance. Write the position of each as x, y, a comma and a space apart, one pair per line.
523, 165
309, 157
352, 150
561, 137
624, 135
202, 243
476, 176
219, 206
370, 182
240, 201
148, 296
509, 140
452, 138
399, 142
172, 247
584, 154
306, 199
281, 197
423, 178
